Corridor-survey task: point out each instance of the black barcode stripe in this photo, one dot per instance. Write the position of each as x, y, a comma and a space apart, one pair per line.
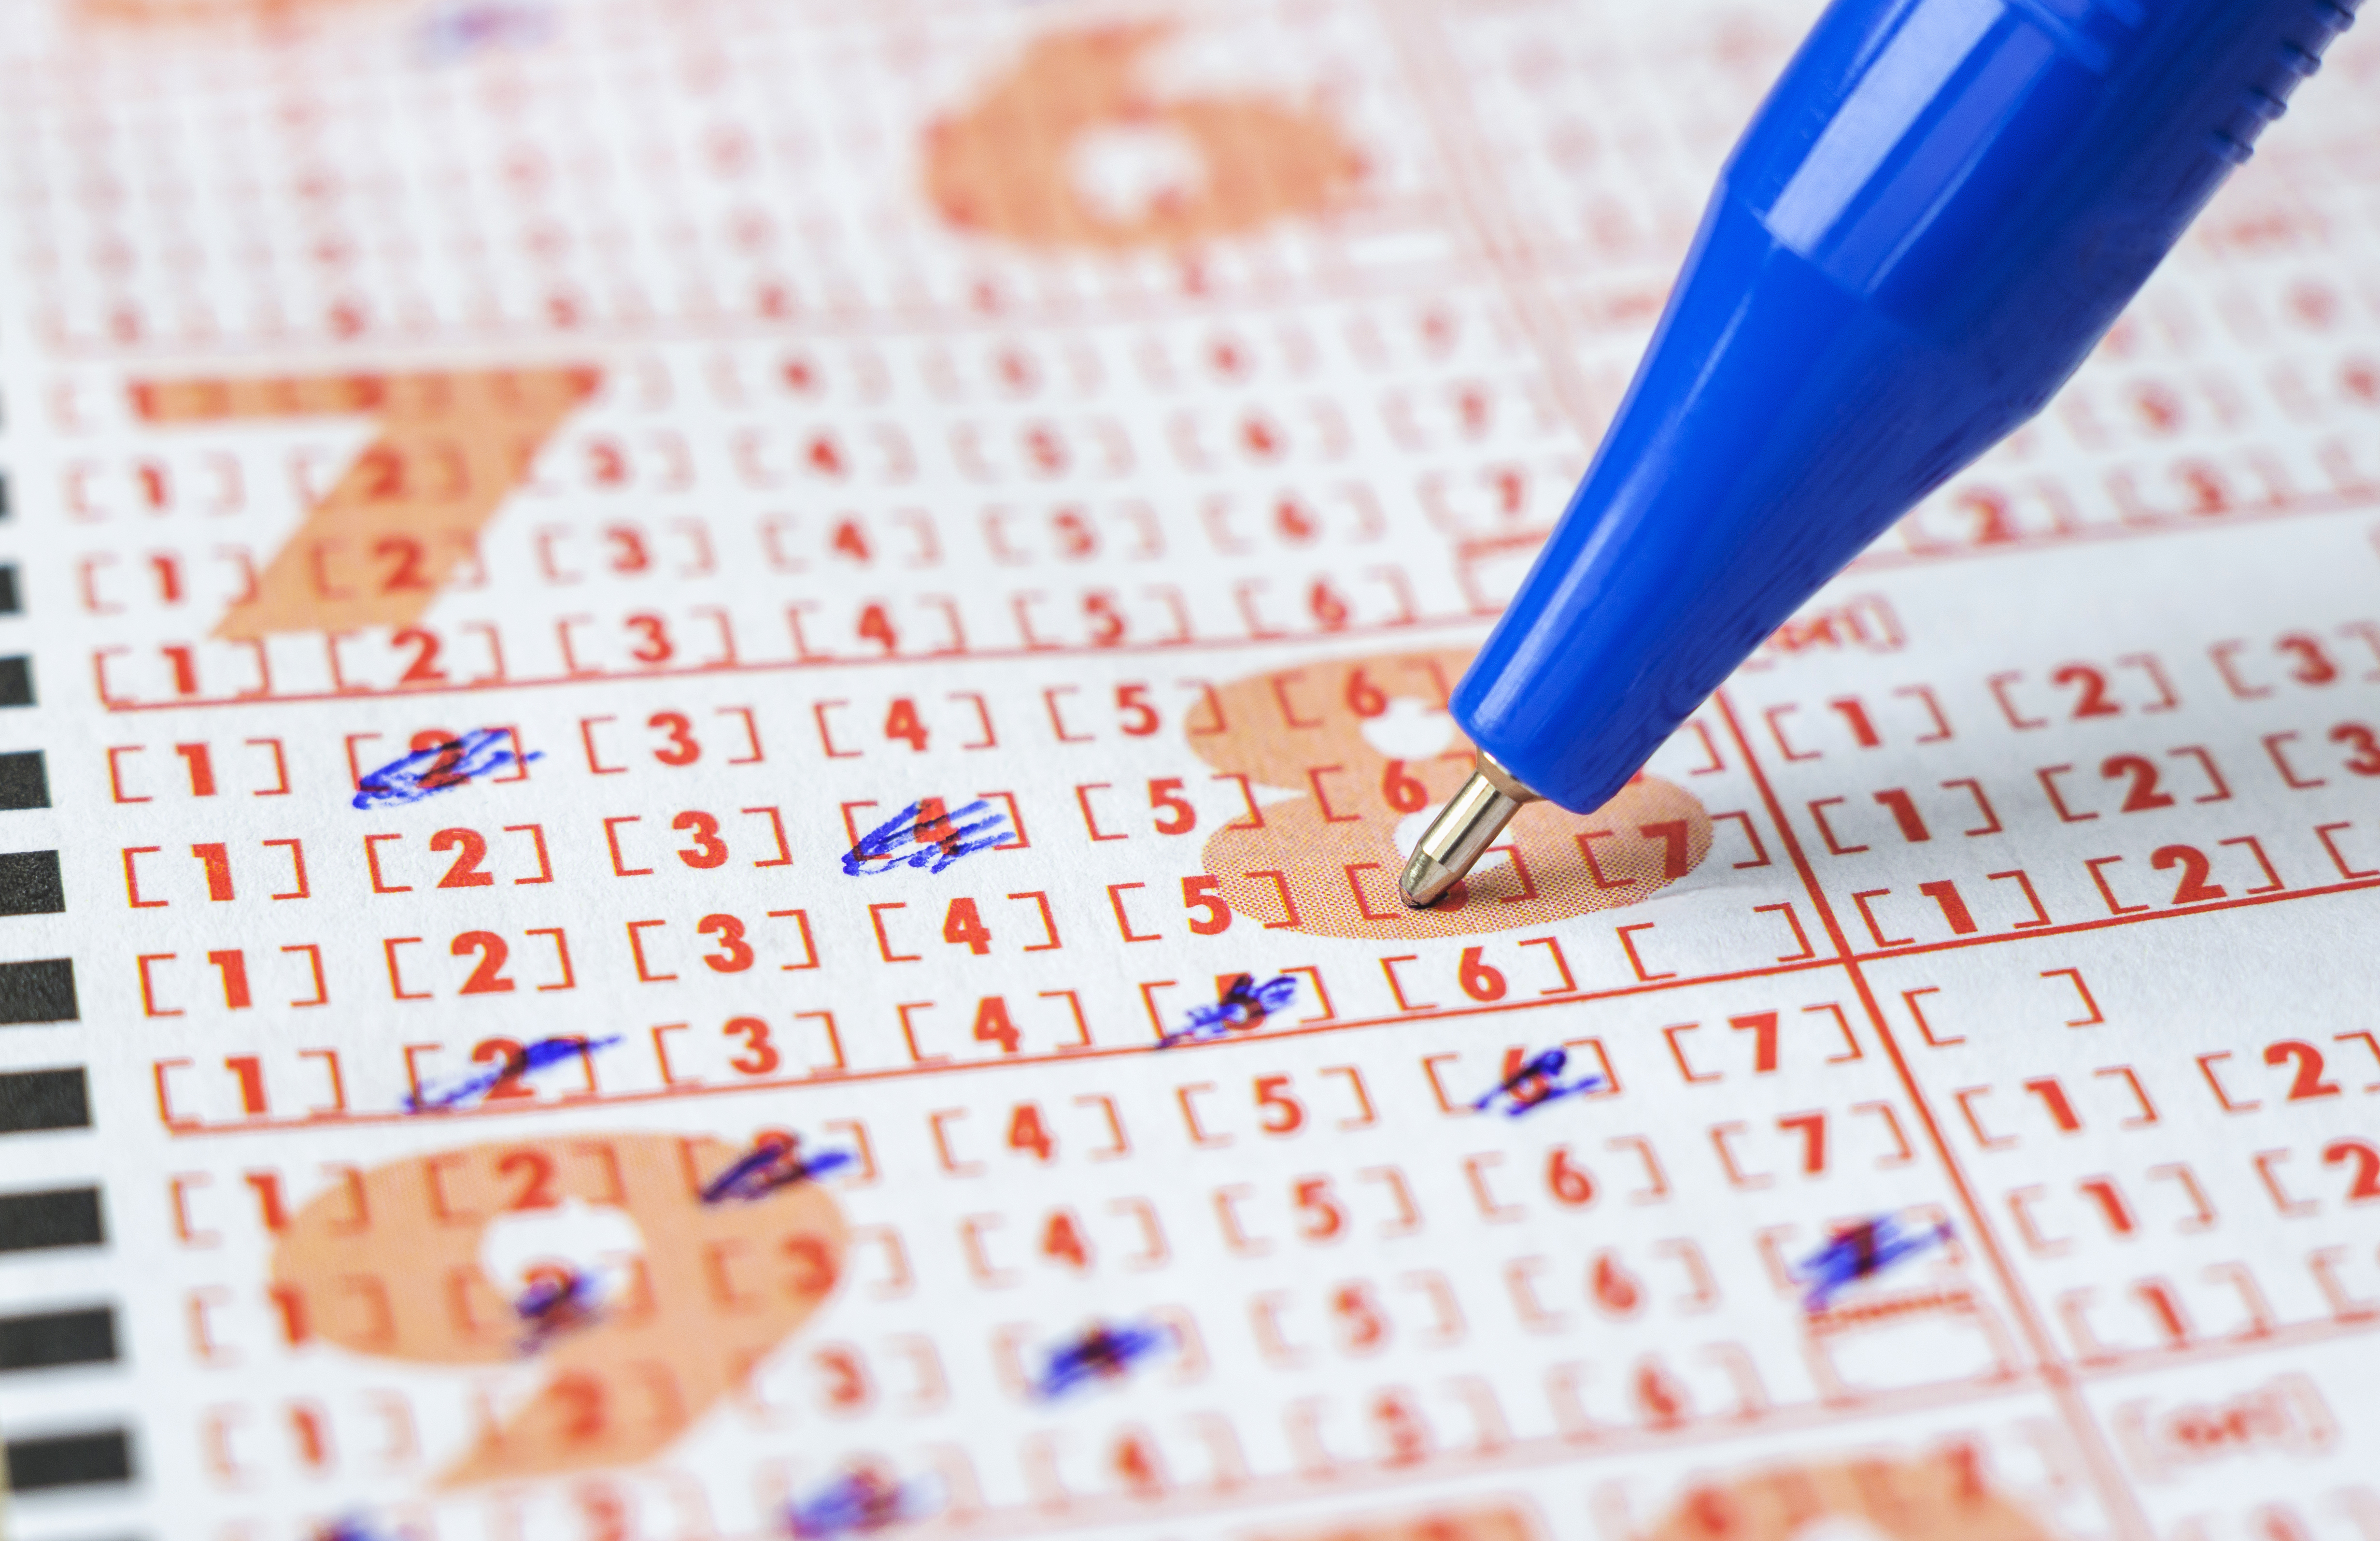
92, 1459
41, 990
53, 1339
50, 1218
37, 1100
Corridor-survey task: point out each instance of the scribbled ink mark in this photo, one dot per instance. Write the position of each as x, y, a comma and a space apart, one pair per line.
605, 1198
915, 838
437, 768
1243, 1004
773, 1163
350, 1529
1101, 1353
456, 32
1861, 1251
558, 1300
858, 1503
355, 1527
1530, 1087
535, 1056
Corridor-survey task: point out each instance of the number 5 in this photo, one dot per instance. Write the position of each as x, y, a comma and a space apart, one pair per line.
1206, 894
1281, 1112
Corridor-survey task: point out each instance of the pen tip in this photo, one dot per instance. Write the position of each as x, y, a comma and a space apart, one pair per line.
1425, 882
1462, 832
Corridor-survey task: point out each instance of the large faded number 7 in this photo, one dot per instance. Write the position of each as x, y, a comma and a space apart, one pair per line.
377, 547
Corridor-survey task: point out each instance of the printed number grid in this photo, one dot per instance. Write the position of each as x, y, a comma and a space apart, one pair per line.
720, 427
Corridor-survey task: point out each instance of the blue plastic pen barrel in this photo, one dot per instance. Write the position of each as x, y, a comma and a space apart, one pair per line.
1938, 210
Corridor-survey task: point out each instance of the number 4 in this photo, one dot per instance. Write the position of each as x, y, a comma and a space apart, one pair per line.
1026, 1132
992, 1026
902, 722
962, 926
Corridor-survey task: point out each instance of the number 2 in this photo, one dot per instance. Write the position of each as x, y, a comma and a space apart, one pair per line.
442, 773
406, 573
470, 851
423, 669
505, 1053
2090, 700
2366, 1184
2142, 795
2194, 889
536, 1191
488, 976
2308, 1083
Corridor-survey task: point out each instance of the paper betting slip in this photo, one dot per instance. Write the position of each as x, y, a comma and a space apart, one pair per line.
707, 711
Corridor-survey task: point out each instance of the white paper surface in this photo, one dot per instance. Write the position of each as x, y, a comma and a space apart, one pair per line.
736, 423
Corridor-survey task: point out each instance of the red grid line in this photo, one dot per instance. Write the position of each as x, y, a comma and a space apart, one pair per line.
2122, 1505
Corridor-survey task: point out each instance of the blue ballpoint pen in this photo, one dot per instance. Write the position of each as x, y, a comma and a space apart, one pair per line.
1936, 214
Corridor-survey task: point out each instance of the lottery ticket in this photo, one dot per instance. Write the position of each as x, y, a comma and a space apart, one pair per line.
934, 540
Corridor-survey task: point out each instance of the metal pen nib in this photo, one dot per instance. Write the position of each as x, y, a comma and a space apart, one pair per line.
1463, 829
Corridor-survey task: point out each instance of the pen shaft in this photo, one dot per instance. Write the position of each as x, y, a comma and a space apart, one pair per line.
1940, 209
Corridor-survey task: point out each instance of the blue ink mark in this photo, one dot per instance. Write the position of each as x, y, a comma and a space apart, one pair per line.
889, 842
557, 1300
1532, 1085
436, 769
1861, 1250
354, 1527
772, 1164
535, 1056
1102, 1354
1243, 1004
458, 31
858, 1503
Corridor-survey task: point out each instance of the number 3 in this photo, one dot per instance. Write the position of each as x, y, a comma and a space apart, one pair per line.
759, 1056
735, 954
